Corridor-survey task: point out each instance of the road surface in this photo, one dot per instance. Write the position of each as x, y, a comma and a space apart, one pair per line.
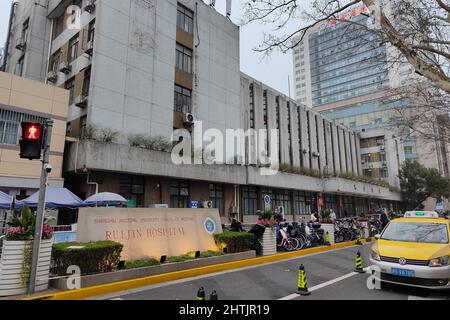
330, 276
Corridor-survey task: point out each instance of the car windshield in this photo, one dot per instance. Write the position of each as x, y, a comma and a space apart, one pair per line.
416, 232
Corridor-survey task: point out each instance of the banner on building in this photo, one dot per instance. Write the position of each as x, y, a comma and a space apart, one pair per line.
147, 233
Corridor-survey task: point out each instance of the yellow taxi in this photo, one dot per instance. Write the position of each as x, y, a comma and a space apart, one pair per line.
414, 251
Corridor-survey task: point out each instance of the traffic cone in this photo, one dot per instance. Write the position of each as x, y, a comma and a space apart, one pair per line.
327, 239
358, 240
302, 282
214, 296
359, 263
200, 294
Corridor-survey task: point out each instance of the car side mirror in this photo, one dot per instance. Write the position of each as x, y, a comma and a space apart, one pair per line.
377, 237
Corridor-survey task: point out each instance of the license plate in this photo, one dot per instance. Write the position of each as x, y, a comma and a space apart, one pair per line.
403, 272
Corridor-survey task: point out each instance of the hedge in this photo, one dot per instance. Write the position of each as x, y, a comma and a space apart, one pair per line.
93, 257
234, 242
141, 263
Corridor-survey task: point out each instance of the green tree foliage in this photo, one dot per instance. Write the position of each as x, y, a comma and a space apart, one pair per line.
419, 183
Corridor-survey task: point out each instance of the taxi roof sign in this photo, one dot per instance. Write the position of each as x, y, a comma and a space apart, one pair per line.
422, 214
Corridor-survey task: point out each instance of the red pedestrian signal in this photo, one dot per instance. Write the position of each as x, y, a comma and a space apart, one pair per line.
33, 132
31, 142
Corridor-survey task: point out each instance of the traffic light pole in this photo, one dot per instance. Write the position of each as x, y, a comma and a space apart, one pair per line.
41, 207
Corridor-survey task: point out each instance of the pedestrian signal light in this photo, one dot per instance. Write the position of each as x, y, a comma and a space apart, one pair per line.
31, 141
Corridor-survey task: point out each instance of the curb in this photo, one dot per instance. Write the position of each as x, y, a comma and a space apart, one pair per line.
161, 278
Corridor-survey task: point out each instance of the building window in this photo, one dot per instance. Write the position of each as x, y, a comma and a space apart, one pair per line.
132, 188
19, 66
250, 201
59, 25
179, 195
86, 83
366, 158
83, 125
183, 100
54, 63
91, 31
25, 29
10, 125
282, 198
409, 150
368, 172
70, 85
252, 107
73, 48
217, 196
306, 203
183, 58
185, 19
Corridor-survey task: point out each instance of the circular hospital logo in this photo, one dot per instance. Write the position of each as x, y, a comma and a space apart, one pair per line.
210, 225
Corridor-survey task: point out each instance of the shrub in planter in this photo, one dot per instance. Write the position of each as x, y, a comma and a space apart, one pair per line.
92, 257
234, 242
183, 258
141, 263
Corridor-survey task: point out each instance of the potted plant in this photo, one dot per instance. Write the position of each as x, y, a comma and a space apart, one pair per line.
15, 261
325, 216
269, 239
362, 216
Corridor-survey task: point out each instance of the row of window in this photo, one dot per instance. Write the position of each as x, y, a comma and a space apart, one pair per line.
72, 53
10, 125
133, 188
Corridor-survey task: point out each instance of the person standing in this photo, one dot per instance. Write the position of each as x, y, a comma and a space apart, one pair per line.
333, 215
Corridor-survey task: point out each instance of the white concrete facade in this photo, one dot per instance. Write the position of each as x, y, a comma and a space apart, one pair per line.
133, 63
310, 146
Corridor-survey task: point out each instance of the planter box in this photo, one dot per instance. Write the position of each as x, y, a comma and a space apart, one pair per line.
11, 268
269, 242
123, 275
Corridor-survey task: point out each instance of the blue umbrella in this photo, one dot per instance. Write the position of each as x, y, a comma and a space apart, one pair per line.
56, 198
106, 199
5, 201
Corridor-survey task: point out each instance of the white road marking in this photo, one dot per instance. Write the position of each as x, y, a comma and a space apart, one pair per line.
117, 299
322, 285
210, 275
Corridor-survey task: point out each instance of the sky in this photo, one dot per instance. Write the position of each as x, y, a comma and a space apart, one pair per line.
273, 70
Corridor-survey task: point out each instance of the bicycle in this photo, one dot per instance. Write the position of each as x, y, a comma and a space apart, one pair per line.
288, 243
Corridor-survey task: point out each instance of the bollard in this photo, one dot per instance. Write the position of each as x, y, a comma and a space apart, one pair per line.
358, 240
359, 263
302, 282
214, 296
327, 239
200, 294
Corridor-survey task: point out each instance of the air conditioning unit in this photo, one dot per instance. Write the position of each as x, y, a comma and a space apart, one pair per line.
189, 119
207, 204
384, 163
382, 148
81, 101
305, 151
65, 67
90, 7
20, 44
52, 76
316, 154
89, 48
